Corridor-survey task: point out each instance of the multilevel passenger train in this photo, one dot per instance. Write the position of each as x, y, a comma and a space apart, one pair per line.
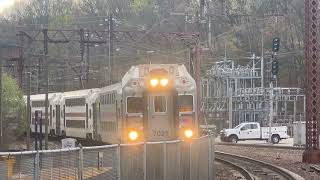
153, 102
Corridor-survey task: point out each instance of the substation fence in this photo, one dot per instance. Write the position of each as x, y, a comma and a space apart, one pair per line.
166, 160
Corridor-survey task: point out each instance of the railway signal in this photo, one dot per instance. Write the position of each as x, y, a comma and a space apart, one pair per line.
274, 67
275, 44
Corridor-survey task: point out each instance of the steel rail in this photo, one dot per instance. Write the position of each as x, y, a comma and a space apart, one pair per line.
246, 174
279, 170
261, 146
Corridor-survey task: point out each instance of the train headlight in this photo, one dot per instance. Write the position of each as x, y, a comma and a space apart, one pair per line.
133, 135
188, 133
154, 82
164, 82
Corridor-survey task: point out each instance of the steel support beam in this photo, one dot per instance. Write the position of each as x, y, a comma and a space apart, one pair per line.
312, 152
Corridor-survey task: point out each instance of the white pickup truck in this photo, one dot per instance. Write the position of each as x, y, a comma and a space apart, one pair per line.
253, 131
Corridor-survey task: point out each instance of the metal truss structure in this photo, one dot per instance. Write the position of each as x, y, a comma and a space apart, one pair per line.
312, 152
234, 93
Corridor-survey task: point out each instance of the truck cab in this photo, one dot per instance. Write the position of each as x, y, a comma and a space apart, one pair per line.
253, 131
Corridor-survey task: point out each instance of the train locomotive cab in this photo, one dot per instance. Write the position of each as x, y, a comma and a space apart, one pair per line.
159, 103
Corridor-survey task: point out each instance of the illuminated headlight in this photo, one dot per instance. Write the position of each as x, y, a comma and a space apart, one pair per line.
133, 135
188, 133
154, 82
164, 82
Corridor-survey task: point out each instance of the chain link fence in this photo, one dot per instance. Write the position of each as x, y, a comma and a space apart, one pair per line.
167, 160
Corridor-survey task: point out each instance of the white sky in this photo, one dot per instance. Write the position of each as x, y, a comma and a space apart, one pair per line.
5, 4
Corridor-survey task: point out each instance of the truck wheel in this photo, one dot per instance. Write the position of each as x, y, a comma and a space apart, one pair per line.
275, 139
233, 139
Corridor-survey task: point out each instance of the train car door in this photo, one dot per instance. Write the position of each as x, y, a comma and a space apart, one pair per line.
160, 117
58, 129
94, 119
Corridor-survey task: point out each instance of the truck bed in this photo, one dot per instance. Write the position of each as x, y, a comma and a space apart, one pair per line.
280, 130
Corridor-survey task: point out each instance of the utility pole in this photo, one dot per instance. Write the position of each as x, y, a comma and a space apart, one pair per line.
28, 111
45, 43
262, 59
1, 120
110, 48
82, 56
21, 59
88, 61
38, 75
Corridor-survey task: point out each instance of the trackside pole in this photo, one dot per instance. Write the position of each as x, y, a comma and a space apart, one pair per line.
37, 166
145, 161
179, 160
271, 111
190, 161
164, 160
80, 173
119, 161
210, 157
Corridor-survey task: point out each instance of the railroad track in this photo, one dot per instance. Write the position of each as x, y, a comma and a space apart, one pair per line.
260, 146
255, 169
244, 173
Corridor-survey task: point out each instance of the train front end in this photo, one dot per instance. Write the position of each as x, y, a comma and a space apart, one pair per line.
158, 103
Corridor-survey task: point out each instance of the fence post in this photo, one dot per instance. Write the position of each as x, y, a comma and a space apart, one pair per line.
190, 161
36, 167
145, 161
210, 157
119, 161
179, 159
80, 168
164, 160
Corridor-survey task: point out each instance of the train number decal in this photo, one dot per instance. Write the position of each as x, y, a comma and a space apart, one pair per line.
161, 133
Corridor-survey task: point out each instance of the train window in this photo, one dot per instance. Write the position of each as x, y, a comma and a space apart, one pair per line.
76, 102
87, 115
113, 98
64, 115
101, 99
185, 103
75, 123
37, 103
160, 104
135, 105
50, 118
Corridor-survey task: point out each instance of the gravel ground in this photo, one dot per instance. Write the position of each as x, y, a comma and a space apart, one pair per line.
286, 158
224, 172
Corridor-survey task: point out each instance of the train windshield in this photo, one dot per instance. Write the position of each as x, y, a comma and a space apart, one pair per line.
185, 103
160, 104
135, 105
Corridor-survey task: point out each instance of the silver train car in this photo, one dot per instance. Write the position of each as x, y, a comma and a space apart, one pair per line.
153, 102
